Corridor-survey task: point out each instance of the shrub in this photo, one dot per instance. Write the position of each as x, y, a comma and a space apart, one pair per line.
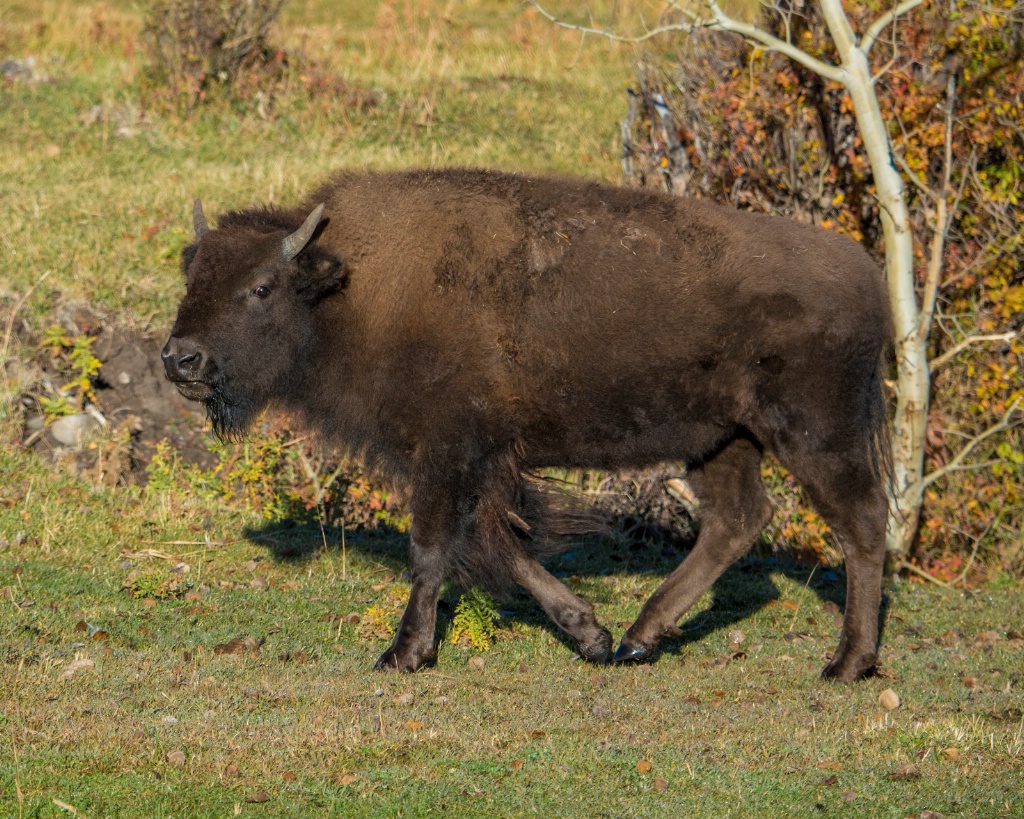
193, 45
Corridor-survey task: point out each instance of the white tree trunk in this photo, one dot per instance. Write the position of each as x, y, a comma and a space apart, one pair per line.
912, 372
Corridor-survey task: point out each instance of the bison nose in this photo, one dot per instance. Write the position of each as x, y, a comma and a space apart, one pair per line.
182, 359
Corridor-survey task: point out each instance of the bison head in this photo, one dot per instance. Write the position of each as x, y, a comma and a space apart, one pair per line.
244, 331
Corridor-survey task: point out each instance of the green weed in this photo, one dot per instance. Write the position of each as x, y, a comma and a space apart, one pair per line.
474, 620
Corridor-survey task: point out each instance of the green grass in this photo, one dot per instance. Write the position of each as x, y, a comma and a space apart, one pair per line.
532, 731
307, 723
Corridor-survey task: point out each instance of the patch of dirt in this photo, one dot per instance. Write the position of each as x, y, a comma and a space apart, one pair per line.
130, 389
133, 384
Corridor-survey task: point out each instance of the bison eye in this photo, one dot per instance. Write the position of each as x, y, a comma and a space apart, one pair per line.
262, 291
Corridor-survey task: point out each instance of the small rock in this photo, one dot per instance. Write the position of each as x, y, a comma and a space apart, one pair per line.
889, 699
176, 757
124, 379
476, 663
259, 583
75, 430
352, 618
736, 637
379, 692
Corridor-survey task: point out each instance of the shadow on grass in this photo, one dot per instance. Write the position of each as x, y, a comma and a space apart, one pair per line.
743, 590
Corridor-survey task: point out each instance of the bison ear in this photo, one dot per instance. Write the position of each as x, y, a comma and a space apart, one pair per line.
188, 253
320, 274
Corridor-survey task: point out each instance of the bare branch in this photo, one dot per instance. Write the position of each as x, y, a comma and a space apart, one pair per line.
1004, 423
922, 573
958, 348
871, 35
718, 20
672, 28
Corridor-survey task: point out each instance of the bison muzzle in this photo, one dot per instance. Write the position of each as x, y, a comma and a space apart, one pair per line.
458, 330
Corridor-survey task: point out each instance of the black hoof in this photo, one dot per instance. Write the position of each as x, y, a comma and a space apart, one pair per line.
849, 672
600, 651
392, 660
630, 653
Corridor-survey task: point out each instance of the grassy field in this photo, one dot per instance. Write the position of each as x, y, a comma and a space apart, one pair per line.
164, 652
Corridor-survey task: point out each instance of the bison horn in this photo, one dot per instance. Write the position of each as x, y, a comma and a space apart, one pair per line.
199, 220
294, 242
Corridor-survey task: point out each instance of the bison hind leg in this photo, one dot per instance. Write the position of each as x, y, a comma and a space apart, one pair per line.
734, 510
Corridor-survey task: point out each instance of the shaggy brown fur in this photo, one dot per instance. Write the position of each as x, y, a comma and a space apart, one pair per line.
459, 328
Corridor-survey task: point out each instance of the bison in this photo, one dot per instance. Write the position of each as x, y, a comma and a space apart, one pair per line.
459, 330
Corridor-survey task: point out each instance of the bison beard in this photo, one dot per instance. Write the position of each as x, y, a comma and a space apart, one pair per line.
459, 330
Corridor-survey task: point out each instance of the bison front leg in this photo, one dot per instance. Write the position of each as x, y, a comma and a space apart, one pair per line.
429, 563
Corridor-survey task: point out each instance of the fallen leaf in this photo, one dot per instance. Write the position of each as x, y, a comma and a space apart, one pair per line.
643, 767
988, 637
176, 757
476, 663
889, 699
598, 681
352, 617
289, 776
829, 765
660, 783
76, 666
829, 780
537, 733
736, 637
932, 814
259, 583
404, 699
905, 773
830, 608
231, 769
970, 682
849, 796
413, 725
951, 754
261, 796
792, 605
517, 764
238, 645
347, 779
81, 625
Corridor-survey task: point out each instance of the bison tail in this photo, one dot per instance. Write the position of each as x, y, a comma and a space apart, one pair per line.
880, 429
